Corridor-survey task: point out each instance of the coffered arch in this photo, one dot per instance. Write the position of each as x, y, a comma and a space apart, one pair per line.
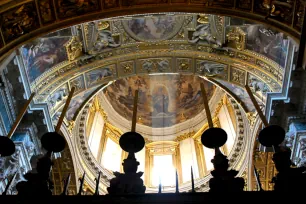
34, 18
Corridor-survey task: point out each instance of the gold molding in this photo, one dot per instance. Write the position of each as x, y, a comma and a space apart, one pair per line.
162, 147
197, 135
74, 48
236, 38
184, 136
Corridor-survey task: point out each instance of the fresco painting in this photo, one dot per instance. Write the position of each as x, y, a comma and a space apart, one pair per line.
94, 77
42, 54
267, 42
153, 28
240, 93
164, 100
77, 101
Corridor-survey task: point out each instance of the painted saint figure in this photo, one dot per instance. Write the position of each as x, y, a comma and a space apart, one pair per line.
160, 101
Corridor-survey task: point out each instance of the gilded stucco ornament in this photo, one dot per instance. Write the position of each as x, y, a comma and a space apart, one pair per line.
74, 48
251, 118
99, 38
203, 19
156, 65
71, 125
236, 38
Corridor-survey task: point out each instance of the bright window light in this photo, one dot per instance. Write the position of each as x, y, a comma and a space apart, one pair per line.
209, 155
112, 156
163, 171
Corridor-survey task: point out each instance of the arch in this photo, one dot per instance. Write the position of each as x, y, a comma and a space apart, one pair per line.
37, 18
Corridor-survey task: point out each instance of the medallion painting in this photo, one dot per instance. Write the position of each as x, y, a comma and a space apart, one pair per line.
164, 100
153, 28
42, 54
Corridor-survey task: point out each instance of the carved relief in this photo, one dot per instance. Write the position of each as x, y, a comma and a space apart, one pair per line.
126, 68
203, 34
108, 4
203, 19
57, 97
184, 65
238, 76
280, 10
299, 14
207, 68
74, 48
257, 85
99, 38
244, 4
277, 74
68, 8
155, 65
236, 38
184, 136
18, 21
46, 11
245, 57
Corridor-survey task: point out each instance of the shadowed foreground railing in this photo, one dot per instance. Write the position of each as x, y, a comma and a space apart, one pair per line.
190, 198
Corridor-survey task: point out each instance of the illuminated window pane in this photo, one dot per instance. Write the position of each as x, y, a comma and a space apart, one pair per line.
163, 170
111, 158
96, 134
209, 155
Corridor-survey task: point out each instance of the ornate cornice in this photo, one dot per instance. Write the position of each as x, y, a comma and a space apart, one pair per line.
59, 16
184, 136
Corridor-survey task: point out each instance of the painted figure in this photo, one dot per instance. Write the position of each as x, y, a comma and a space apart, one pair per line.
42, 54
152, 28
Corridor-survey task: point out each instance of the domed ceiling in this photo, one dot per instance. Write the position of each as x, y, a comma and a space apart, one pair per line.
164, 100
129, 50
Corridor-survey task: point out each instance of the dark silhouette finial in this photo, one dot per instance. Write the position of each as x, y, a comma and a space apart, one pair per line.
7, 146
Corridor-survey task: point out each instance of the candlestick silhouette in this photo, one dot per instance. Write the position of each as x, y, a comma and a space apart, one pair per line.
176, 183
159, 186
192, 181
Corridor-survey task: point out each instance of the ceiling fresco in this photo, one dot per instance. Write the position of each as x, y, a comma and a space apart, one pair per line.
267, 42
76, 102
153, 28
51, 50
42, 54
93, 53
242, 94
164, 100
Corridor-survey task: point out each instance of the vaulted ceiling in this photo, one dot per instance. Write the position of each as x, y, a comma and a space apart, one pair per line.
228, 52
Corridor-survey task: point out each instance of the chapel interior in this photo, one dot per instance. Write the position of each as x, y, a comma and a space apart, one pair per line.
207, 96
